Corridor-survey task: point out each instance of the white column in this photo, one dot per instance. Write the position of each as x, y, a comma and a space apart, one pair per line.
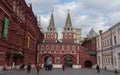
101, 60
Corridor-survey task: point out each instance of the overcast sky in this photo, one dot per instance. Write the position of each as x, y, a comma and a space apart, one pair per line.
85, 14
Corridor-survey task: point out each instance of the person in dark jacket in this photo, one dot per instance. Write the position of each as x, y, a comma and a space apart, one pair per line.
98, 69
28, 68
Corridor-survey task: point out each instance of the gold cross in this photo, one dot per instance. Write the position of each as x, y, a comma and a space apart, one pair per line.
68, 10
52, 10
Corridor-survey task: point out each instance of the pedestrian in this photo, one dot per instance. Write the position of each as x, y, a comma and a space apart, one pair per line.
116, 71
28, 68
98, 69
63, 67
105, 68
22, 66
46, 67
51, 67
38, 67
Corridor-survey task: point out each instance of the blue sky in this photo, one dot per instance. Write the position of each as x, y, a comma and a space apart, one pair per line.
85, 14
66, 1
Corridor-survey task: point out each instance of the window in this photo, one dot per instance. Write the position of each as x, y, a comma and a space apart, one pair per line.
103, 44
50, 29
57, 60
111, 60
1, 56
48, 35
52, 47
65, 35
110, 41
99, 60
14, 6
68, 47
57, 47
114, 39
62, 47
52, 35
18, 10
73, 47
47, 47
1, 21
42, 47
68, 28
107, 42
70, 35
21, 13
23, 16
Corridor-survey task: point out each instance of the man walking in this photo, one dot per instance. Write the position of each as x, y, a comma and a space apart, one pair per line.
98, 69
28, 68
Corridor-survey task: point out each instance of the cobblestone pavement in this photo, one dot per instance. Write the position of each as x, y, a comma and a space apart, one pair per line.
68, 71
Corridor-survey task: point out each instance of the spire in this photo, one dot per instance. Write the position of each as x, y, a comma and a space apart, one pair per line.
92, 33
39, 21
68, 20
51, 24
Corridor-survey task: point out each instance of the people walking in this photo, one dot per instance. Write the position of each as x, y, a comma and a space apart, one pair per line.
63, 67
22, 66
105, 68
49, 67
116, 71
98, 69
28, 68
38, 67
46, 67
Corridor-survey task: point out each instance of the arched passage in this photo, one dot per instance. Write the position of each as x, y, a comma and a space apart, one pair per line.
88, 64
48, 60
68, 61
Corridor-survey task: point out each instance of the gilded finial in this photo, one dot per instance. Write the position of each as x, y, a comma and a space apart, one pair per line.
68, 10
52, 10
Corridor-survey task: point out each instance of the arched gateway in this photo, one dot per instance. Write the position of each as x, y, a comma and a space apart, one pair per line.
68, 60
88, 64
47, 59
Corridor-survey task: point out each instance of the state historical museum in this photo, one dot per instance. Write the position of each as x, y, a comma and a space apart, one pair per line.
66, 51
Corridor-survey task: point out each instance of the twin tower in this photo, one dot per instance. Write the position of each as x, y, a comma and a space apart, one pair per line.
68, 34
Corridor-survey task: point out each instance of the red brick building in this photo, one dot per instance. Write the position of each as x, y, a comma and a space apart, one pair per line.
52, 51
89, 44
19, 33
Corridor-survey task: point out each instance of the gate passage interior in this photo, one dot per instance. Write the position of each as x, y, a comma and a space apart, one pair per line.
68, 61
47, 60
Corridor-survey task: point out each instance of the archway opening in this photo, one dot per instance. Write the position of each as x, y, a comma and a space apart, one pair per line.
47, 60
68, 61
88, 64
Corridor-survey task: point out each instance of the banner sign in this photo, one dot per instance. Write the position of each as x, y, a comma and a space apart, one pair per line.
5, 28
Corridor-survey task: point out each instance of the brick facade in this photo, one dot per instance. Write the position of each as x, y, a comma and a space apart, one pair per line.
23, 33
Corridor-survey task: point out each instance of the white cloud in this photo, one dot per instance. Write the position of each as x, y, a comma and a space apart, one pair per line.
114, 17
85, 14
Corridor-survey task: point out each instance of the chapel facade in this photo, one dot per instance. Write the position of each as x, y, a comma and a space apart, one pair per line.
66, 51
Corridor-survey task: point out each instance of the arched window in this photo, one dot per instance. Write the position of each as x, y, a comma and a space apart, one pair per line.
115, 40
